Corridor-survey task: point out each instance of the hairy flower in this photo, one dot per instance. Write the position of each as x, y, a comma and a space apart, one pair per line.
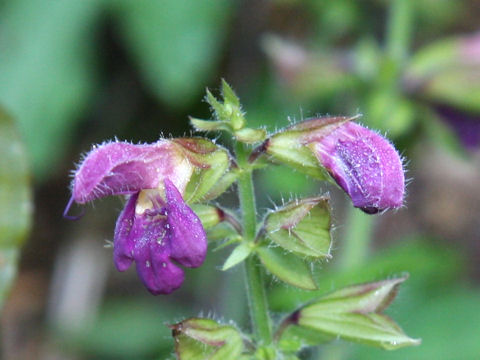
156, 229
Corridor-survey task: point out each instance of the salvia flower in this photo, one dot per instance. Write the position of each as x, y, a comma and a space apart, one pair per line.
157, 230
362, 162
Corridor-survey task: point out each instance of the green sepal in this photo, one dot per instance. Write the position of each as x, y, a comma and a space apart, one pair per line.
199, 339
239, 254
290, 145
222, 185
355, 313
211, 162
286, 266
209, 215
294, 338
302, 226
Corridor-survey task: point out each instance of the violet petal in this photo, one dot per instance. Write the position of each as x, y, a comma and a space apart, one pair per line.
188, 241
365, 165
123, 242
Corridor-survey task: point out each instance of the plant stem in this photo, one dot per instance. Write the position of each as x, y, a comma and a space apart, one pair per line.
357, 238
257, 300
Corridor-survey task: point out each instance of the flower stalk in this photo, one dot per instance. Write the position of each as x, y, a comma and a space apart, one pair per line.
257, 299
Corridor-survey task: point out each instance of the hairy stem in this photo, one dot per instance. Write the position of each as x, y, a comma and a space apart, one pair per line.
357, 238
257, 300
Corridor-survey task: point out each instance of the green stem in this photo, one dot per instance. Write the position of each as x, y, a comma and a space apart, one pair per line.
357, 238
257, 299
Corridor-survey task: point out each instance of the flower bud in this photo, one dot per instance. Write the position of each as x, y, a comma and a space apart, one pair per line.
302, 226
198, 338
363, 163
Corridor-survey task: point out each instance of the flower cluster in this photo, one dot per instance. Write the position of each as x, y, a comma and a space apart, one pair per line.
362, 162
158, 230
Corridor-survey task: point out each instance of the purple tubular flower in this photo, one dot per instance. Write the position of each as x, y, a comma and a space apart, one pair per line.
364, 164
156, 229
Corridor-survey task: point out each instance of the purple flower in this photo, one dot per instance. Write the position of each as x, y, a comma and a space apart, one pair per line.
156, 229
364, 164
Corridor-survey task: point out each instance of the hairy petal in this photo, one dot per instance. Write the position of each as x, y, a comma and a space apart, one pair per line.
188, 241
123, 241
121, 168
156, 270
365, 165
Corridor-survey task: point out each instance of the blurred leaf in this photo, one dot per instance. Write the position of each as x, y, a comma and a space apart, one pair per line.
198, 339
15, 201
355, 313
288, 267
176, 43
45, 71
388, 112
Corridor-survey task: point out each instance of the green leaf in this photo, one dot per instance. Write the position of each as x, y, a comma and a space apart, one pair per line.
176, 43
208, 125
15, 201
199, 339
46, 71
229, 95
302, 226
239, 254
354, 313
287, 267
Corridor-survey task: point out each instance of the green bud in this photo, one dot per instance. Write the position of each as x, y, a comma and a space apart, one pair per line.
302, 226
355, 313
209, 215
198, 339
289, 145
288, 267
228, 112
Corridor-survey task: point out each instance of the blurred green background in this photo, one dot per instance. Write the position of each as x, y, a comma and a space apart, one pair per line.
74, 73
